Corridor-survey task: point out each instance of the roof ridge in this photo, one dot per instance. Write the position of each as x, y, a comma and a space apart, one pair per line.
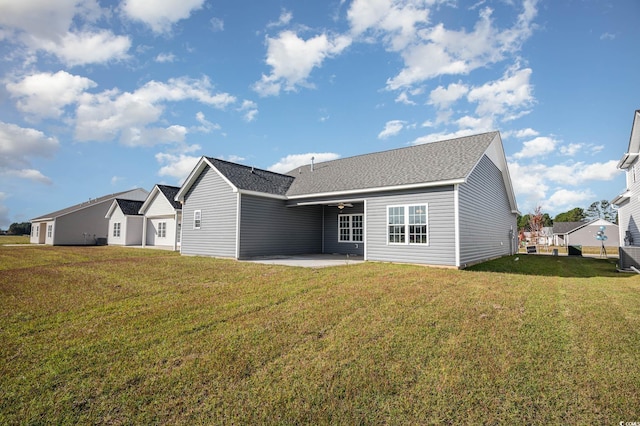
386, 151
247, 167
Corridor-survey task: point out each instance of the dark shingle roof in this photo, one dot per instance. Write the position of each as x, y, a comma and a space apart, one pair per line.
170, 192
129, 207
80, 206
252, 179
566, 227
426, 163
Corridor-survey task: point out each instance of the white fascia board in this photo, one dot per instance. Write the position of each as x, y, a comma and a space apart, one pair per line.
379, 189
113, 206
627, 160
149, 199
198, 169
260, 194
328, 202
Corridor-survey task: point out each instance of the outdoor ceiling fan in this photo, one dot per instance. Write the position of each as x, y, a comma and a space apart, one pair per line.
341, 205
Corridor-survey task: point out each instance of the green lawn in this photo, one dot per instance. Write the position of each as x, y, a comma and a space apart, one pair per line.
131, 336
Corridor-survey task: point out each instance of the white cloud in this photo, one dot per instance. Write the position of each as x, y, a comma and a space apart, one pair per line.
529, 182
564, 199
512, 92
45, 94
217, 24
403, 98
571, 149
87, 47
45, 19
391, 128
177, 166
440, 51
434, 137
165, 57
115, 180
607, 36
292, 59
18, 145
526, 133
127, 116
250, 110
61, 28
205, 125
293, 161
397, 22
160, 15
539, 146
283, 20
443, 97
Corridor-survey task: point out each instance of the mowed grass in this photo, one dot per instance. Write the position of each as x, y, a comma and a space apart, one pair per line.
129, 336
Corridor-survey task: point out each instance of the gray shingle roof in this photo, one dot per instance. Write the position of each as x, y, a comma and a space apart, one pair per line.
566, 227
426, 163
80, 206
129, 207
170, 193
253, 179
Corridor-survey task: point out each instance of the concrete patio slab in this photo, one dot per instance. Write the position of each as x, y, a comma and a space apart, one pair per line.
310, 260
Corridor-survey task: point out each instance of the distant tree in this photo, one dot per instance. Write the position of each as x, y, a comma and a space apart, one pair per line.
523, 222
546, 220
536, 223
22, 228
574, 215
602, 210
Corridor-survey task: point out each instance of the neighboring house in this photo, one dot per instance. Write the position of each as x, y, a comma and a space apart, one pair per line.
584, 233
162, 217
82, 224
447, 203
628, 202
125, 223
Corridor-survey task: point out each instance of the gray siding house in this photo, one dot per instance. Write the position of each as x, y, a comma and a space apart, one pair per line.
584, 233
628, 202
448, 203
162, 217
81, 224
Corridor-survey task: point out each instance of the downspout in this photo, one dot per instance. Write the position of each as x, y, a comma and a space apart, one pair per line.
364, 231
323, 207
144, 231
175, 233
238, 206
456, 223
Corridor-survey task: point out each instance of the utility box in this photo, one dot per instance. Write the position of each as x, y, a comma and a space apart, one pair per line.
575, 251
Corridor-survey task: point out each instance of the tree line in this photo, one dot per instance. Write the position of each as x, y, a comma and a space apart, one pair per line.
22, 228
597, 210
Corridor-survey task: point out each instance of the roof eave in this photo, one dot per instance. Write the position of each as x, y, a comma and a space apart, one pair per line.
378, 189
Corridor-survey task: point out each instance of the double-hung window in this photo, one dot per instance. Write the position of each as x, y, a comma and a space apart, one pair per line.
407, 224
162, 230
197, 219
350, 228
116, 229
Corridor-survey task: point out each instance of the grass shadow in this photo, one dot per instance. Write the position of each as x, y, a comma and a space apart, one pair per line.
554, 266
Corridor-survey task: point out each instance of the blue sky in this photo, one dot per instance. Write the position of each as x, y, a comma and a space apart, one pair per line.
98, 97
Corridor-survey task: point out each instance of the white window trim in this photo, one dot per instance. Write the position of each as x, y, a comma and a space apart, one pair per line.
117, 227
406, 224
198, 214
350, 216
162, 229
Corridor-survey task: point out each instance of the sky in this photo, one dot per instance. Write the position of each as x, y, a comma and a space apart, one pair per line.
98, 97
